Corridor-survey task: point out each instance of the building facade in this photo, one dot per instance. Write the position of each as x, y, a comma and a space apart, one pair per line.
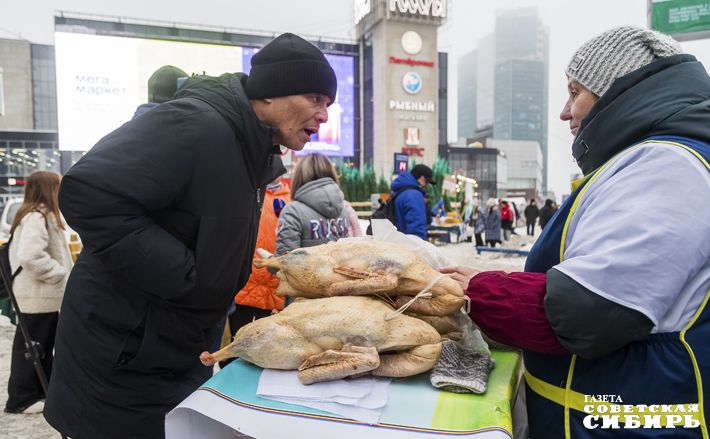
16, 95
404, 89
511, 80
488, 166
467, 122
521, 79
524, 166
399, 81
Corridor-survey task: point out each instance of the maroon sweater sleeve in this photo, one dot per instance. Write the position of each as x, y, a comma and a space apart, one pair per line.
508, 307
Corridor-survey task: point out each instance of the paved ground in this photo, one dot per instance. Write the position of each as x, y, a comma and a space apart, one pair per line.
35, 427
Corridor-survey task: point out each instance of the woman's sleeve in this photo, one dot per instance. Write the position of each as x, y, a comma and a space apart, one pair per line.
509, 308
355, 229
32, 250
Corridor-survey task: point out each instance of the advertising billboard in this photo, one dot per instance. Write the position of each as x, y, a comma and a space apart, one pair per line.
680, 16
101, 80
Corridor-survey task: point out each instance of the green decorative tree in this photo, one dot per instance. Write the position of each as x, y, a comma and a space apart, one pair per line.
369, 181
382, 186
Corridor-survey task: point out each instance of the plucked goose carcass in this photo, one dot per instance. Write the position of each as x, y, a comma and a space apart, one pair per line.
389, 271
336, 337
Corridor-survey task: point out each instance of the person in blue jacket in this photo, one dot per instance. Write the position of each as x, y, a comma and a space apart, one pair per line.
439, 210
409, 205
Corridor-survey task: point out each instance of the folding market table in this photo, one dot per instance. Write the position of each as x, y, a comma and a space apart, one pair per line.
226, 407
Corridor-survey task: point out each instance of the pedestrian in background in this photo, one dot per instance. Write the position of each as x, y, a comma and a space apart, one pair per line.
479, 218
439, 211
531, 213
506, 217
168, 208
408, 191
38, 245
162, 85
493, 223
516, 217
546, 213
467, 212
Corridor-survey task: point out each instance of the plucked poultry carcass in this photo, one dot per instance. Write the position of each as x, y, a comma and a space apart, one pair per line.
387, 270
333, 338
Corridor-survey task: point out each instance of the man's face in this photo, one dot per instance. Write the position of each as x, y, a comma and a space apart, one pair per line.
297, 117
423, 182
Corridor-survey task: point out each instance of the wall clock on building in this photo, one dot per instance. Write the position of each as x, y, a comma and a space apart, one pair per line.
411, 42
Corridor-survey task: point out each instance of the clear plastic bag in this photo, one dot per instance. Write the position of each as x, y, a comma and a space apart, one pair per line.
384, 231
472, 337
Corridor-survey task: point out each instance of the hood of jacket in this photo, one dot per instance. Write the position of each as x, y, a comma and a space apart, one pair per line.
323, 196
226, 95
670, 96
405, 179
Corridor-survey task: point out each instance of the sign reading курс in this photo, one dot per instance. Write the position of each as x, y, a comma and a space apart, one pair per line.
680, 16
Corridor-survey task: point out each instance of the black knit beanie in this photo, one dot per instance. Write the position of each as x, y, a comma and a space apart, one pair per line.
290, 65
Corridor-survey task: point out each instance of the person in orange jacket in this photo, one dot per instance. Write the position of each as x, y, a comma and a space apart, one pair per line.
257, 299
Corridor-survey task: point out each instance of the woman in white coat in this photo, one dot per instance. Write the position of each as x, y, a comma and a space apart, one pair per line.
40, 247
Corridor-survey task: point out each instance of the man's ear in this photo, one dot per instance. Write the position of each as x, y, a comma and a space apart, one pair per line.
268, 100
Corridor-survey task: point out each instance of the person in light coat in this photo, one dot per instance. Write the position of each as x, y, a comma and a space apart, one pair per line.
493, 223
38, 245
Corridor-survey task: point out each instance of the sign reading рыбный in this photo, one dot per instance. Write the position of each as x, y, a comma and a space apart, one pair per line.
680, 16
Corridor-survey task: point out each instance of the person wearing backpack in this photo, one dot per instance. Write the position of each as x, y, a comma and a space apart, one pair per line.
38, 245
409, 206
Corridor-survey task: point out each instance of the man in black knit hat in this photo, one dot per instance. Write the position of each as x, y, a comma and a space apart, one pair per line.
168, 208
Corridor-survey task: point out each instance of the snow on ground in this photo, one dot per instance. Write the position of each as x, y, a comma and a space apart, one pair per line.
17, 426
465, 254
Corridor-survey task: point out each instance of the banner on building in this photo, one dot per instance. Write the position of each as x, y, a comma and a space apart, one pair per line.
675, 17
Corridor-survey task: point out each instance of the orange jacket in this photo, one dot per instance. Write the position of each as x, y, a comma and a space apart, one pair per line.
259, 292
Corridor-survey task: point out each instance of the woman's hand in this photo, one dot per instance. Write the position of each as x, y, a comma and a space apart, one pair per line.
462, 275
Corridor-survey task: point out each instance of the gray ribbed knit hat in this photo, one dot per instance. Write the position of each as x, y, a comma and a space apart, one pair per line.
616, 52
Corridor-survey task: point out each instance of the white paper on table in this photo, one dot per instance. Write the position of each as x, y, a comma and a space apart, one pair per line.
361, 399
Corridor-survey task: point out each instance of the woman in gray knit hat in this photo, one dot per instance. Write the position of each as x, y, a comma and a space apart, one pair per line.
613, 300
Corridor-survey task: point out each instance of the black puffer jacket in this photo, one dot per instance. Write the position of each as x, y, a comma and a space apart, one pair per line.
167, 207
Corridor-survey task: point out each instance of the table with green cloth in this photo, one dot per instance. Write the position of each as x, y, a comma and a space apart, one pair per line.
227, 405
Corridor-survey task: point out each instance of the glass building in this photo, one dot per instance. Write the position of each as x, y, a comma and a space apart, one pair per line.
487, 166
521, 79
44, 87
467, 95
518, 98
503, 84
